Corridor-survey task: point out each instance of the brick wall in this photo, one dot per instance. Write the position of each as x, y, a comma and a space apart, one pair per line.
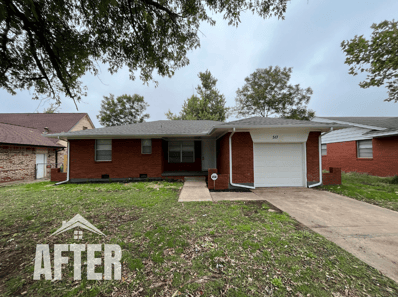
57, 175
313, 157
242, 157
127, 160
333, 177
18, 162
221, 183
383, 163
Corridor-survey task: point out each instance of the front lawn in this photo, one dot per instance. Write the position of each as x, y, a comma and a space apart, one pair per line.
174, 249
381, 191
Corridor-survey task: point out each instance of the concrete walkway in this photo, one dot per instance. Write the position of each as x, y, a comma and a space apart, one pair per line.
367, 231
195, 189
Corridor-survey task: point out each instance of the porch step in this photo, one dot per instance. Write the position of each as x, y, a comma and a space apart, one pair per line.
194, 178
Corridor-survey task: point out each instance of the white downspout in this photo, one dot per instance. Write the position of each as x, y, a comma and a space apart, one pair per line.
67, 172
230, 164
320, 164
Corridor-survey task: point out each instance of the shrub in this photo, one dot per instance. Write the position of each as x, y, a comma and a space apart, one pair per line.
394, 180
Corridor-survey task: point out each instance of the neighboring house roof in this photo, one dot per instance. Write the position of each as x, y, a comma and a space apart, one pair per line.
12, 134
376, 122
361, 128
56, 122
188, 128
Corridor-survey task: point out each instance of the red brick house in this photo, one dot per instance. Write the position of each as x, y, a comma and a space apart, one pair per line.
254, 152
25, 153
368, 145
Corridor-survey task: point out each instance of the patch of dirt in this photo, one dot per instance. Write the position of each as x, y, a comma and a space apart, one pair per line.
260, 203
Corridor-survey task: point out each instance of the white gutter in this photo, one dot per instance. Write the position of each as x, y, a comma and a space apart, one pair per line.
230, 164
320, 164
67, 172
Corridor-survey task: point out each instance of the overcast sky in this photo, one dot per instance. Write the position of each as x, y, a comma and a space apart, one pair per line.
308, 40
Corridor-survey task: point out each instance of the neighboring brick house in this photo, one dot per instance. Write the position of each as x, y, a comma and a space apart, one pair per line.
22, 144
369, 145
266, 152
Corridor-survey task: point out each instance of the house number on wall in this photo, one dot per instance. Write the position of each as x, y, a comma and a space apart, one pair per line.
274, 136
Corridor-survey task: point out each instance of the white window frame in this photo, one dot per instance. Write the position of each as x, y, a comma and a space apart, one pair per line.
181, 142
358, 150
95, 151
324, 147
142, 146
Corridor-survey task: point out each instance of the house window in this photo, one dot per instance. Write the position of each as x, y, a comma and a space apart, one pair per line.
181, 152
103, 150
84, 128
365, 149
146, 146
324, 150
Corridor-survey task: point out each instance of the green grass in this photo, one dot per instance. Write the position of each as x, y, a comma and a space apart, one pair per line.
381, 191
175, 249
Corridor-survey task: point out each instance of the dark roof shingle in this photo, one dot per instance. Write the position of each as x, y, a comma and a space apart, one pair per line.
21, 135
56, 122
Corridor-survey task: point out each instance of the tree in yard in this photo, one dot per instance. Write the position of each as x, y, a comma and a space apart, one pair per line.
267, 92
209, 104
377, 56
48, 45
123, 110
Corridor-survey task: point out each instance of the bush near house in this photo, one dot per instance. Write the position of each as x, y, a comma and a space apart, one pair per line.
381, 191
175, 249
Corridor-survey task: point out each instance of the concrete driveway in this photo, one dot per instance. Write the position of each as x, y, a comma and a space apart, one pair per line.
367, 231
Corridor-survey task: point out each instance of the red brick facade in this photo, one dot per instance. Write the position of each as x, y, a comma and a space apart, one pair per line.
333, 177
57, 175
242, 157
344, 156
313, 157
221, 183
127, 160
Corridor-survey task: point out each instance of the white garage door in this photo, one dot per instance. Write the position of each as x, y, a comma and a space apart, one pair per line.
278, 165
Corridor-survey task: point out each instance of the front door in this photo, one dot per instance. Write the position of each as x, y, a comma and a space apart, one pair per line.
40, 165
208, 154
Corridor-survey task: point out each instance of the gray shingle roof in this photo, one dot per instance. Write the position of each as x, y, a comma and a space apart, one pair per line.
382, 122
152, 128
188, 128
262, 121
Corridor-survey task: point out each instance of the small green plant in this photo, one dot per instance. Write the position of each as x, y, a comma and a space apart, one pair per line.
277, 282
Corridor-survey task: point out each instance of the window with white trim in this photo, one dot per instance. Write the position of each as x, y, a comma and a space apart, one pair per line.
146, 146
324, 150
365, 148
103, 150
181, 152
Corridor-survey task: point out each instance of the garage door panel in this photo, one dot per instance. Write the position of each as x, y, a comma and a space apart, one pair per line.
278, 165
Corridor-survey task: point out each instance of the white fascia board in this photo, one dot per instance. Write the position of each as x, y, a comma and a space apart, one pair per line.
324, 120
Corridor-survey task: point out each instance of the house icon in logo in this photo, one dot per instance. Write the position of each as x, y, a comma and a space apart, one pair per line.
77, 221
